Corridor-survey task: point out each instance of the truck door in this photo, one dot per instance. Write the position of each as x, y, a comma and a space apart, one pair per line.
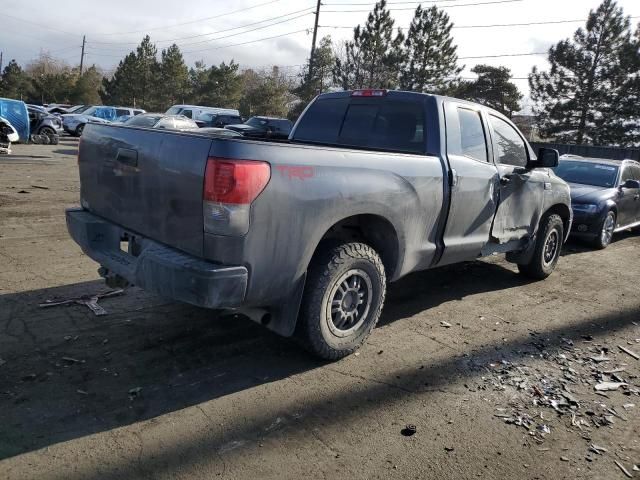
473, 180
521, 191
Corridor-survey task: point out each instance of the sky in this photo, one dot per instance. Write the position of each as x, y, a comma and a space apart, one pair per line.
277, 32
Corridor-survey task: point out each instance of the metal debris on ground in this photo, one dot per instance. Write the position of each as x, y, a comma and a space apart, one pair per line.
134, 392
567, 377
623, 469
445, 324
629, 352
91, 301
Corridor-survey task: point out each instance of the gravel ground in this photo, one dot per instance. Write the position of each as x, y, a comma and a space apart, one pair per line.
473, 355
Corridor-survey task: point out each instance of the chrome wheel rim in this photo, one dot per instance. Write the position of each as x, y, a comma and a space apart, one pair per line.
349, 302
607, 230
551, 247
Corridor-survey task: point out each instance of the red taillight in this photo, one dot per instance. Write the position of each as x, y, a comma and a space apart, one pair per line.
370, 92
234, 181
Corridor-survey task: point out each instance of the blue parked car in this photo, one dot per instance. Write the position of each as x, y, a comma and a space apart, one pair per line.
15, 111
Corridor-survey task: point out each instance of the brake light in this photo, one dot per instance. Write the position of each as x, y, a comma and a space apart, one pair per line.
235, 181
230, 186
370, 92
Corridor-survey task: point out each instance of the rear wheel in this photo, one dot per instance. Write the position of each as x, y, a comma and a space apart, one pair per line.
606, 231
343, 298
547, 249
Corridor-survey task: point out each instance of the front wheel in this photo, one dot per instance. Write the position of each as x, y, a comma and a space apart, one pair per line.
603, 239
342, 301
79, 130
547, 249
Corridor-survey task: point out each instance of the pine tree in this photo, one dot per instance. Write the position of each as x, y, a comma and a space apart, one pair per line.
314, 81
121, 88
492, 88
575, 101
265, 93
372, 59
14, 82
146, 75
430, 60
85, 89
174, 78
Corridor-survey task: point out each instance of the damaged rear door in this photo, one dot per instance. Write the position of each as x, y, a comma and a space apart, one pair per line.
521, 191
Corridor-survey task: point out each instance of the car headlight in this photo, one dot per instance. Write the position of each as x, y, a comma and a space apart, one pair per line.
584, 207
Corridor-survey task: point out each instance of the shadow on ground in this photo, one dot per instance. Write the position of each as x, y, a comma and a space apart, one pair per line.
69, 374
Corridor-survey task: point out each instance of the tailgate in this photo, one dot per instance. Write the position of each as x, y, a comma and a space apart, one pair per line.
148, 181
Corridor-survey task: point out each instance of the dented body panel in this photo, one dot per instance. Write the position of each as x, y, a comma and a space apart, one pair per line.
422, 208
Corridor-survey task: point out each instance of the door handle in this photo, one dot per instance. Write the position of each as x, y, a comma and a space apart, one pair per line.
127, 156
505, 180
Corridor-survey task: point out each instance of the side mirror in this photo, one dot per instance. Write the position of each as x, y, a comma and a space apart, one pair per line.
547, 158
628, 183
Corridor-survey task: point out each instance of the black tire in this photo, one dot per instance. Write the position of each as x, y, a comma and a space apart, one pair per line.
547, 249
48, 131
603, 239
320, 327
79, 130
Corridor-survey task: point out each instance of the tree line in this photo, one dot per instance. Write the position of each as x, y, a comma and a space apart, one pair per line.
588, 95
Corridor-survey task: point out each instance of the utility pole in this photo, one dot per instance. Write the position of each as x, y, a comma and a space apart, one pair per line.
313, 42
84, 39
1, 64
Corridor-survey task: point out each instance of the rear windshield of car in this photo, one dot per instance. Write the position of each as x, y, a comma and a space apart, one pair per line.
381, 124
143, 121
587, 173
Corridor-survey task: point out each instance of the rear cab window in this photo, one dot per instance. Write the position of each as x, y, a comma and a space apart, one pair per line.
389, 123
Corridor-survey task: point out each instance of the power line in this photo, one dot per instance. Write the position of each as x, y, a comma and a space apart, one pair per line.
308, 10
504, 55
443, 6
237, 33
198, 20
38, 24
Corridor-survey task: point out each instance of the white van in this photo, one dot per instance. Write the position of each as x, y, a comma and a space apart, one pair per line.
197, 112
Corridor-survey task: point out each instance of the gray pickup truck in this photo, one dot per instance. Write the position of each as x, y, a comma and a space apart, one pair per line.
303, 235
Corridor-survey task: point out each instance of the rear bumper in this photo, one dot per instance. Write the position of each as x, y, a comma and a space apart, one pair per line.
155, 267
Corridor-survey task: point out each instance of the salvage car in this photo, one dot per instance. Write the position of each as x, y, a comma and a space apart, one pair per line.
199, 112
263, 127
303, 236
218, 120
74, 123
41, 122
605, 196
160, 120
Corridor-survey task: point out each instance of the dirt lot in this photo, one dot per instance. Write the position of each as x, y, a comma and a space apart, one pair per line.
497, 374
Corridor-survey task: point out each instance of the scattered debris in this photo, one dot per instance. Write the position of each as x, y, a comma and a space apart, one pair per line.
409, 430
445, 324
600, 358
624, 470
82, 392
448, 449
90, 301
41, 187
596, 449
29, 377
564, 459
608, 386
629, 352
23, 191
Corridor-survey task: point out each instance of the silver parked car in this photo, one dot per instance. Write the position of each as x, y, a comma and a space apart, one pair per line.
160, 120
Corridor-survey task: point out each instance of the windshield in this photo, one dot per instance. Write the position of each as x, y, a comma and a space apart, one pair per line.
587, 173
256, 122
80, 109
174, 111
143, 121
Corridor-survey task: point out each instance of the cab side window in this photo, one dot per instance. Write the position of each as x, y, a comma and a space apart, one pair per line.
508, 145
472, 140
187, 113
